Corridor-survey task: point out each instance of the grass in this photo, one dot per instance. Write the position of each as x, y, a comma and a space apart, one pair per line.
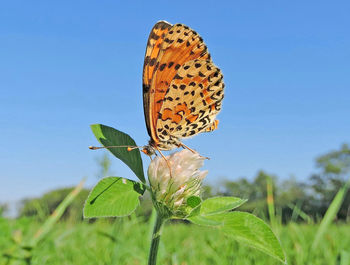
126, 241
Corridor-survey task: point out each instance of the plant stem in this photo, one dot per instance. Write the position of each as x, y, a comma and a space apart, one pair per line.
152, 258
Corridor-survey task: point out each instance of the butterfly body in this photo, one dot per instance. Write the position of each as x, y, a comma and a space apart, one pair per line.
182, 88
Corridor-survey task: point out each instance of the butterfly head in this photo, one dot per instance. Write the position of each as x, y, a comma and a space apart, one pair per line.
148, 150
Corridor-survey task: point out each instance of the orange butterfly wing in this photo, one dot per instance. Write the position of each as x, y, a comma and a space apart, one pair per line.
155, 39
168, 48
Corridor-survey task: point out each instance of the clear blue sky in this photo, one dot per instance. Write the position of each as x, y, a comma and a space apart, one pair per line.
67, 64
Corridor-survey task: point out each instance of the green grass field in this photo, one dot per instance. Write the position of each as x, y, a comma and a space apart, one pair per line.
126, 241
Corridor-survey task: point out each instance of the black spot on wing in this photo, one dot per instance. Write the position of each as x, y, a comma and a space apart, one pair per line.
152, 62
145, 88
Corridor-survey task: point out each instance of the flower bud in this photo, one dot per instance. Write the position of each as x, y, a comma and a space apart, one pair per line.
171, 191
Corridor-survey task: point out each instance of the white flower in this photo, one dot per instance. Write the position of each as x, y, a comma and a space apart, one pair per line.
173, 190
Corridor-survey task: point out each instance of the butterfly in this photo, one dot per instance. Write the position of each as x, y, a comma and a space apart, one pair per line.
182, 88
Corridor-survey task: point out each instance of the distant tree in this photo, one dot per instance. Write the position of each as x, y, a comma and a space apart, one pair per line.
290, 191
44, 206
3, 209
334, 171
255, 191
290, 194
242, 188
260, 183
207, 191
104, 164
252, 190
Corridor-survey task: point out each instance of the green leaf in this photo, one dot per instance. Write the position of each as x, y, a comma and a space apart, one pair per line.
249, 229
245, 228
202, 220
212, 206
193, 206
217, 205
193, 201
109, 136
113, 196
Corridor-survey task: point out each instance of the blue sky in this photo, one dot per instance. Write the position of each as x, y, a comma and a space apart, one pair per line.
68, 64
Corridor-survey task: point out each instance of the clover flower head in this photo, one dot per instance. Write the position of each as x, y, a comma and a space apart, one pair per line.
173, 190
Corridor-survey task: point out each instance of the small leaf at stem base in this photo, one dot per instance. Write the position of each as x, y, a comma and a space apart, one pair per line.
113, 197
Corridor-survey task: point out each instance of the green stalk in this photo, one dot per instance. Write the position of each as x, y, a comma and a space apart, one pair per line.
23, 252
152, 258
271, 203
330, 214
53, 218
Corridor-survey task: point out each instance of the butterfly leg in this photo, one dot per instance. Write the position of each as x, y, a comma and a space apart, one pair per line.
166, 160
193, 151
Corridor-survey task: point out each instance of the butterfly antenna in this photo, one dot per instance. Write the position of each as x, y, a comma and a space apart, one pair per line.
129, 148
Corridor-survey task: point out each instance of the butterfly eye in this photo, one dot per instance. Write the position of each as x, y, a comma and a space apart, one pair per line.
148, 150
